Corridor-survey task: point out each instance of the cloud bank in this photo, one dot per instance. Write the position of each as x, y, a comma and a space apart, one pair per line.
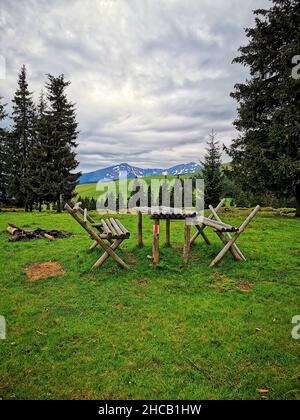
150, 78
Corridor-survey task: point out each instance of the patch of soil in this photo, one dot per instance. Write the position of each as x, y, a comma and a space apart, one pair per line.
38, 271
244, 286
118, 305
131, 258
142, 281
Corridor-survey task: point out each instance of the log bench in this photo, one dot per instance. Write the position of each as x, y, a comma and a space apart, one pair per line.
110, 230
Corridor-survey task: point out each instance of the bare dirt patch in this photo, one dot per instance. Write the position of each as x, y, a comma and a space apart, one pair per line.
48, 269
118, 305
131, 258
142, 281
244, 286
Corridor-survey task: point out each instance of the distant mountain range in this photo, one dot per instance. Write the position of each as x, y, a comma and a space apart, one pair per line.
112, 173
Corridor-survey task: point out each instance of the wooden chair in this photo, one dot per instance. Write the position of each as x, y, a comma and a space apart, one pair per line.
110, 230
224, 231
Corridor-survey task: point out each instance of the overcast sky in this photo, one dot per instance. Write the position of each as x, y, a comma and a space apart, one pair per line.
150, 78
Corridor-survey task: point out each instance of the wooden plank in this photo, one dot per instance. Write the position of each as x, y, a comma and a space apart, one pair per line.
187, 242
123, 228
116, 227
114, 233
168, 233
227, 234
140, 230
223, 227
234, 238
96, 238
106, 229
155, 241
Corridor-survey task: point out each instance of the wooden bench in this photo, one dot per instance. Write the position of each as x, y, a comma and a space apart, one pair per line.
110, 230
223, 231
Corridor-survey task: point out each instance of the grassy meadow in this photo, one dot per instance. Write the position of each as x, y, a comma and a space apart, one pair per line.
171, 332
90, 190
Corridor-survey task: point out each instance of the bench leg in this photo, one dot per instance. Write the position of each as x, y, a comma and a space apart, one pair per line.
105, 256
237, 251
168, 234
200, 229
140, 230
155, 241
233, 251
94, 245
234, 238
187, 243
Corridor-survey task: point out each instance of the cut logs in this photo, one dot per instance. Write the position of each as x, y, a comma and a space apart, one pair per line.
18, 234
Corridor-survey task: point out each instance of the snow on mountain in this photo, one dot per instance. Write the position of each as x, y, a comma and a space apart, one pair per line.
113, 172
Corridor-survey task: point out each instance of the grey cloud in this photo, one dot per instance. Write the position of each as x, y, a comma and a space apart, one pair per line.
150, 78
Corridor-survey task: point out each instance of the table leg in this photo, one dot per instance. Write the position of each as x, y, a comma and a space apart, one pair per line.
168, 235
140, 230
155, 241
187, 243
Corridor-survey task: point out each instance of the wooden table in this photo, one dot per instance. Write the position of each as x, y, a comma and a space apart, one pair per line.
213, 221
168, 216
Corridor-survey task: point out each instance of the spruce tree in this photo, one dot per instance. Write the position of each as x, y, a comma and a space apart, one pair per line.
266, 155
3, 151
40, 170
212, 172
19, 144
63, 135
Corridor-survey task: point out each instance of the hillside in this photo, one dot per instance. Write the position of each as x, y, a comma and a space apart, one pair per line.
89, 190
112, 173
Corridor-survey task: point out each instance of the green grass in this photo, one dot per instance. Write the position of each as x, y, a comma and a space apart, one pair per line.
168, 332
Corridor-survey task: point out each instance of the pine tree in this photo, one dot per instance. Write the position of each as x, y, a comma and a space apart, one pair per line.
19, 144
266, 156
3, 146
40, 170
63, 132
212, 172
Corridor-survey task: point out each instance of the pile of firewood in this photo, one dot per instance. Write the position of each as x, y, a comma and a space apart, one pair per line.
17, 234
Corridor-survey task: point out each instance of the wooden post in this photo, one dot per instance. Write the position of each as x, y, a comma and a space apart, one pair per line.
140, 230
155, 243
187, 243
234, 238
168, 235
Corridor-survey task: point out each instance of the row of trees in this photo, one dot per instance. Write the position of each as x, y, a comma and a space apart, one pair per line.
266, 155
37, 154
265, 166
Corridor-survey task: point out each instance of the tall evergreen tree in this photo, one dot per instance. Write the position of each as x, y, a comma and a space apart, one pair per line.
40, 170
20, 142
266, 156
212, 172
3, 147
63, 135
